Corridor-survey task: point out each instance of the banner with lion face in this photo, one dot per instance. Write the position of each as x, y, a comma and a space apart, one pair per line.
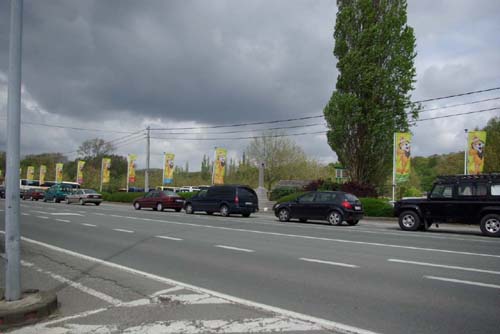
475, 144
30, 173
219, 165
59, 172
402, 151
79, 171
168, 168
106, 170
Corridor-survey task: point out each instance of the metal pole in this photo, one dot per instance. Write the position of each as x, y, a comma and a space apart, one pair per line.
128, 169
213, 164
465, 153
12, 229
102, 163
394, 168
148, 147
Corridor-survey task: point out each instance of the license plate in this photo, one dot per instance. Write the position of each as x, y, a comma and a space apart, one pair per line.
179, 200
357, 207
248, 203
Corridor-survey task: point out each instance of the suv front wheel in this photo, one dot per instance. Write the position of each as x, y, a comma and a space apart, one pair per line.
490, 225
409, 221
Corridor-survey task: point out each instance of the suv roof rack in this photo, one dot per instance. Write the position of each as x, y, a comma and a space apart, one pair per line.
461, 177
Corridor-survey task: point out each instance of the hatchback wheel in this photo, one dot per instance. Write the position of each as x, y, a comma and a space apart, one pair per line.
490, 225
335, 218
137, 206
189, 209
224, 211
159, 207
284, 215
409, 221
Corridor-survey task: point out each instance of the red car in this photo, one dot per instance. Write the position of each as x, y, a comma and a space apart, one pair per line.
34, 194
159, 200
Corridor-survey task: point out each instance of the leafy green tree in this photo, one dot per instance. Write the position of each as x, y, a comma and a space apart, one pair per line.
95, 147
492, 149
376, 50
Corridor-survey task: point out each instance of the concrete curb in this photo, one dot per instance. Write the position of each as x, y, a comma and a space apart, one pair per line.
33, 306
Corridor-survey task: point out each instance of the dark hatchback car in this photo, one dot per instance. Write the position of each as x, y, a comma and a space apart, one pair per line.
226, 200
159, 200
334, 206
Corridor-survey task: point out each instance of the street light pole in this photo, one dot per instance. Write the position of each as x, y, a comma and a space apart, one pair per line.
148, 148
12, 233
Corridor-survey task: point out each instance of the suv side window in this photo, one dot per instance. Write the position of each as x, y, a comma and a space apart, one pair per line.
495, 189
442, 191
471, 189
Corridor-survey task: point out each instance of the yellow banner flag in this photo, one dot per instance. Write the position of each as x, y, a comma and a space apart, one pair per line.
475, 159
30, 173
219, 165
79, 171
43, 172
402, 149
168, 168
59, 172
106, 167
131, 168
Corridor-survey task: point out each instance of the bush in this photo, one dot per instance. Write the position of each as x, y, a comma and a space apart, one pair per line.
359, 189
279, 192
121, 196
377, 207
187, 195
330, 185
290, 197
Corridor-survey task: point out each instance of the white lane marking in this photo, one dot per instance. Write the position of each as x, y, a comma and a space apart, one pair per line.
42, 217
169, 238
322, 238
166, 291
65, 214
120, 230
452, 280
445, 266
82, 211
329, 262
328, 324
235, 248
64, 220
25, 214
43, 212
2, 210
100, 214
90, 225
255, 325
79, 286
194, 299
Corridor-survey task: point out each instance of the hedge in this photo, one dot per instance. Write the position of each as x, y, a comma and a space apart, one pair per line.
121, 196
373, 207
279, 192
187, 195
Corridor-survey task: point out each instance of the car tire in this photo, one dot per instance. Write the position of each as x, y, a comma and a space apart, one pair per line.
335, 218
409, 221
82, 202
224, 210
159, 207
246, 215
137, 206
284, 215
353, 222
490, 225
189, 209
44, 200
67, 201
97, 203
54, 200
303, 220
210, 213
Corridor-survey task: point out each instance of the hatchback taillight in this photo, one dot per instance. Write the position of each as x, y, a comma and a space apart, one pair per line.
346, 205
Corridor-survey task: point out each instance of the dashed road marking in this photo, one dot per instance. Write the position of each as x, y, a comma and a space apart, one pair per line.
42, 217
340, 264
445, 266
169, 238
64, 220
235, 248
25, 214
120, 230
90, 225
452, 280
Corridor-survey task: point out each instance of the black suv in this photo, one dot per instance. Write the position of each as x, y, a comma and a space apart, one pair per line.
334, 206
467, 199
225, 199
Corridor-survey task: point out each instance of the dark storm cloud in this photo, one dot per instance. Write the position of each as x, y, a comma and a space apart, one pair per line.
209, 61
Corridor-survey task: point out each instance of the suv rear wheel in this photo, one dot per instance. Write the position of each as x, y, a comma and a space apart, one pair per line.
189, 209
490, 225
409, 221
224, 210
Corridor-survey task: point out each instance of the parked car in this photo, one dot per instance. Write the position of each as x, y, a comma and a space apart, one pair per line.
159, 200
2, 192
59, 191
33, 194
334, 206
226, 200
84, 196
466, 199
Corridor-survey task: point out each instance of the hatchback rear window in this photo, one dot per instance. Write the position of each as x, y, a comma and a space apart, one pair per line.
351, 198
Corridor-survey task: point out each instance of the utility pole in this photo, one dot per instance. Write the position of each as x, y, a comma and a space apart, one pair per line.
12, 231
148, 147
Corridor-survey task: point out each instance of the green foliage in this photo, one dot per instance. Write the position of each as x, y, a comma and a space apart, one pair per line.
187, 195
121, 196
279, 192
376, 50
376, 207
492, 149
290, 197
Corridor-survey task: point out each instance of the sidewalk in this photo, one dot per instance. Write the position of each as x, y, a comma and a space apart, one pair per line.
101, 298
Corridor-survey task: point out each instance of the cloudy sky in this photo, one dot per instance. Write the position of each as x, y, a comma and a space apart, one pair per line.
119, 66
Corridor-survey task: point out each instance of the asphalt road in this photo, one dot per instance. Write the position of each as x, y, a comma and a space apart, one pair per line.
371, 276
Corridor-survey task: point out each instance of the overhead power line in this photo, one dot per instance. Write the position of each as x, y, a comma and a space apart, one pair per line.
250, 137
249, 130
460, 114
460, 104
457, 95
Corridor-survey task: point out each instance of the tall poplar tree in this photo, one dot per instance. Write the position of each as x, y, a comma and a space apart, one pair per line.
375, 49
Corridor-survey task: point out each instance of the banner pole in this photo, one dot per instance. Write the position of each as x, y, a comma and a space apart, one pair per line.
213, 164
128, 170
394, 168
102, 163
